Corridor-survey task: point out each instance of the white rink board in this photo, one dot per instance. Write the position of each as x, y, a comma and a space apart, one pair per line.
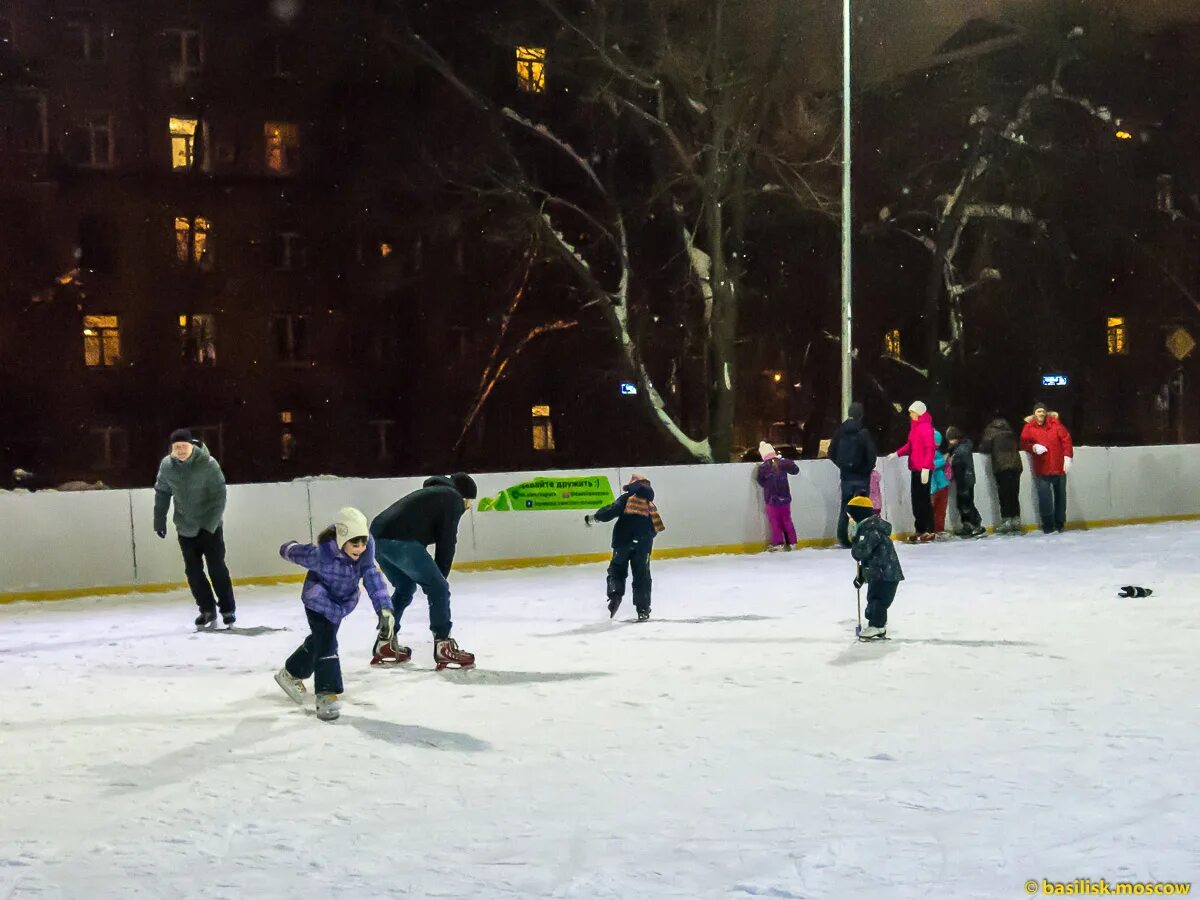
703, 507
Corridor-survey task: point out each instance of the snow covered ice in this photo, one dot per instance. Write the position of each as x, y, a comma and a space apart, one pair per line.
1024, 722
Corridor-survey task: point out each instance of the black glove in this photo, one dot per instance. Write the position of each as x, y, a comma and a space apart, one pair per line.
161, 531
587, 520
858, 581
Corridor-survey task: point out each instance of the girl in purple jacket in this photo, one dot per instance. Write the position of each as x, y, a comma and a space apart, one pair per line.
773, 476
342, 557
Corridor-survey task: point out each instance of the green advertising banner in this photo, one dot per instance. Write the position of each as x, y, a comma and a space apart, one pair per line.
541, 494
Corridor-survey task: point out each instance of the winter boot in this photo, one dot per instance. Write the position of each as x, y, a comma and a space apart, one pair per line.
228, 619
614, 603
978, 531
390, 653
643, 615
328, 707
206, 619
872, 633
292, 686
447, 655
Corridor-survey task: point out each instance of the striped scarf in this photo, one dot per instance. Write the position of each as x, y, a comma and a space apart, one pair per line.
639, 506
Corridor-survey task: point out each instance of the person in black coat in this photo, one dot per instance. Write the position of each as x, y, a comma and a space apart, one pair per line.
962, 462
402, 532
853, 451
638, 522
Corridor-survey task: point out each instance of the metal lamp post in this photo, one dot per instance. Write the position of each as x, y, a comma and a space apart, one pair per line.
847, 316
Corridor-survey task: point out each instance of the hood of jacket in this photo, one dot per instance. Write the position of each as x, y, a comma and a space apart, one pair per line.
439, 481
875, 523
640, 489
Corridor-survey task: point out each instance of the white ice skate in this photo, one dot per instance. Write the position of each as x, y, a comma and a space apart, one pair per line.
872, 633
328, 707
291, 685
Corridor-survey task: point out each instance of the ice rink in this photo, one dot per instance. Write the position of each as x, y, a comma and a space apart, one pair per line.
1022, 723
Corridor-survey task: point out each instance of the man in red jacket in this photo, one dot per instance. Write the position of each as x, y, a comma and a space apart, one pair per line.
1049, 445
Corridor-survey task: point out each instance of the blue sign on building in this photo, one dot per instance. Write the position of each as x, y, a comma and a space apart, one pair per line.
1055, 381
628, 388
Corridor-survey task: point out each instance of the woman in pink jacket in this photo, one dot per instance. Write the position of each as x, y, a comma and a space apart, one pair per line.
920, 450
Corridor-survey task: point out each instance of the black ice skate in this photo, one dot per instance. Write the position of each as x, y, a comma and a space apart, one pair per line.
447, 655
390, 652
643, 615
614, 603
206, 620
228, 619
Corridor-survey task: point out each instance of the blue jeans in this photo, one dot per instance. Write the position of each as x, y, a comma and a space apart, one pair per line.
407, 564
1052, 501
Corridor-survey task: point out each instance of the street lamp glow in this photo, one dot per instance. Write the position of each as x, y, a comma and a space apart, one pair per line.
1124, 136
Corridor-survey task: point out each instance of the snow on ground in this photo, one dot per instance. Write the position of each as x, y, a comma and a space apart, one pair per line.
1024, 722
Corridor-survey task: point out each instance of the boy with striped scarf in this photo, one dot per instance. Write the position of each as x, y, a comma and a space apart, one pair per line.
638, 523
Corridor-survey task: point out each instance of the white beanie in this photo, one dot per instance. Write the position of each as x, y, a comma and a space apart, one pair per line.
919, 408
349, 524
766, 451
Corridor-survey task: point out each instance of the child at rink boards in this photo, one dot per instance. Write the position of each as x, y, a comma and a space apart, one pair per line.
342, 557
773, 475
878, 564
638, 523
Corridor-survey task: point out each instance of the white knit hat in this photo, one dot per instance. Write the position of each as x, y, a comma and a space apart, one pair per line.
918, 407
766, 451
349, 524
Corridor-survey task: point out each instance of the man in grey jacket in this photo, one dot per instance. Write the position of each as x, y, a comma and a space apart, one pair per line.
190, 476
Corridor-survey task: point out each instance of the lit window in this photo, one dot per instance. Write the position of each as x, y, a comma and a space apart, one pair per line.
183, 142
543, 431
191, 240
1117, 338
89, 142
531, 69
283, 146
891, 343
101, 341
385, 249
198, 339
285, 417
185, 50
287, 445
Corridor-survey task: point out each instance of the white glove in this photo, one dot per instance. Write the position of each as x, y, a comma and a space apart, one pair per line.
851, 529
1066, 464
387, 625
893, 456
1039, 449
924, 476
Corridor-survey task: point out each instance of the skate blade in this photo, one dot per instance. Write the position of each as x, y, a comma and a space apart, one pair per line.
871, 640
454, 667
379, 663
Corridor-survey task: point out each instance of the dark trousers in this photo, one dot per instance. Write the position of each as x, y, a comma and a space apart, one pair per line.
851, 487
1008, 486
318, 655
407, 564
880, 595
1052, 501
208, 547
632, 556
964, 498
922, 505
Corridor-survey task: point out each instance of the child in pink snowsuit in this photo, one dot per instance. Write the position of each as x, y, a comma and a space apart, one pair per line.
773, 476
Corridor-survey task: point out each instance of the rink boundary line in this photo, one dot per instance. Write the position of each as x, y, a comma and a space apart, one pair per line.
541, 562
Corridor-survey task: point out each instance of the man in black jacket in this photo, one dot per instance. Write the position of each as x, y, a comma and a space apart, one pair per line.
853, 452
402, 534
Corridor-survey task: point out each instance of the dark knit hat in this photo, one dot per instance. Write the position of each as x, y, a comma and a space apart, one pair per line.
860, 508
856, 411
180, 436
953, 434
465, 485
1038, 404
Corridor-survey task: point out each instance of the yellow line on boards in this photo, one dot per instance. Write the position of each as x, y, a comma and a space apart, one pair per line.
537, 562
